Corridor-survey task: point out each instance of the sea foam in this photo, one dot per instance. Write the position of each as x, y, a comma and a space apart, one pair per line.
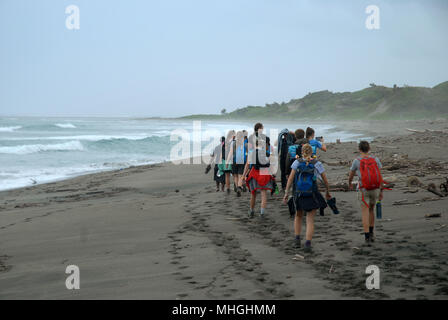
9, 129
65, 125
33, 148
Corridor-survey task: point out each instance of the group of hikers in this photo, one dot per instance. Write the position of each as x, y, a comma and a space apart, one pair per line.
249, 160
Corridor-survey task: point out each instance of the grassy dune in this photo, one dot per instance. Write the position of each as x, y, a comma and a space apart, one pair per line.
375, 102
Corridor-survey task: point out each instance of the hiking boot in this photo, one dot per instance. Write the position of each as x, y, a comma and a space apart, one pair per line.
238, 192
367, 242
307, 248
297, 243
371, 237
228, 191
251, 214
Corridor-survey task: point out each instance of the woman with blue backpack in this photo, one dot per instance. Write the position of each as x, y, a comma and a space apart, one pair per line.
305, 172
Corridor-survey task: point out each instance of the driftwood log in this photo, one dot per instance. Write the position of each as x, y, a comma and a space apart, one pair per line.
426, 130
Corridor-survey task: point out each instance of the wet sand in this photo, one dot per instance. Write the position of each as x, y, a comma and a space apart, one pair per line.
162, 232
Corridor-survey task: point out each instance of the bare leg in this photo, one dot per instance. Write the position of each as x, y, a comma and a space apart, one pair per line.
227, 180
253, 197
298, 223
365, 217
239, 182
264, 198
310, 224
371, 217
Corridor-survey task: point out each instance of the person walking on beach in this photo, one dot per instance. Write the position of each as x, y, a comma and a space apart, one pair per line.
216, 157
295, 150
246, 142
238, 156
315, 143
257, 173
370, 187
228, 163
285, 139
307, 199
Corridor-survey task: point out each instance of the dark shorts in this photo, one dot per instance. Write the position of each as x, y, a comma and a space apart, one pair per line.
238, 168
221, 179
306, 204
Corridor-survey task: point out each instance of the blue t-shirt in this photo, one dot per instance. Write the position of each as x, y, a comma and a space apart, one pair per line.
315, 145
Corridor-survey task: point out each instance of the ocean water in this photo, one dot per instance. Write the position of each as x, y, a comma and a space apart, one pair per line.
39, 150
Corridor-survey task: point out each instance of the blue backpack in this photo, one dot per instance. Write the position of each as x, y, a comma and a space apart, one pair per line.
240, 155
292, 150
305, 180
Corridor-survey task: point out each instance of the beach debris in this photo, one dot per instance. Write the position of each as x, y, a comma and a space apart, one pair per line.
444, 186
177, 190
33, 181
430, 198
298, 257
440, 227
341, 186
331, 269
355, 248
415, 131
411, 191
413, 181
386, 147
433, 215
396, 166
391, 179
340, 163
432, 188
338, 141
400, 202
425, 131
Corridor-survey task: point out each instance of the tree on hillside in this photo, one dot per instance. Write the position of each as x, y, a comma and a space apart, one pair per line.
223, 111
373, 85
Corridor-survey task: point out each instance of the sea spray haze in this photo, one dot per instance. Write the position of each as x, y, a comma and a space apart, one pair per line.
39, 150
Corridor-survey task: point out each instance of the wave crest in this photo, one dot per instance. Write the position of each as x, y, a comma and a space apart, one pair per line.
33, 148
10, 129
65, 125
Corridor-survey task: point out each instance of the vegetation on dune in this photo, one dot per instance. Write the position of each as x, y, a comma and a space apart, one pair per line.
375, 102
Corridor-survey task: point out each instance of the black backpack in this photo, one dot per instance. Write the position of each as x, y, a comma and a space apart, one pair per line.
265, 163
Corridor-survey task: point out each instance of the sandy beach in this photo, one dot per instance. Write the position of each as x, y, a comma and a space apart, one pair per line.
163, 232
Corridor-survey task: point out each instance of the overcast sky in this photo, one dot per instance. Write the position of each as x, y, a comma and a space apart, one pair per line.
178, 57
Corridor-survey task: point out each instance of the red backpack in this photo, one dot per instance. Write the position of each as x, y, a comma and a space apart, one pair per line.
370, 174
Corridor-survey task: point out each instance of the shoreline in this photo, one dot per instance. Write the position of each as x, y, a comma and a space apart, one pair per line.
359, 131
71, 176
